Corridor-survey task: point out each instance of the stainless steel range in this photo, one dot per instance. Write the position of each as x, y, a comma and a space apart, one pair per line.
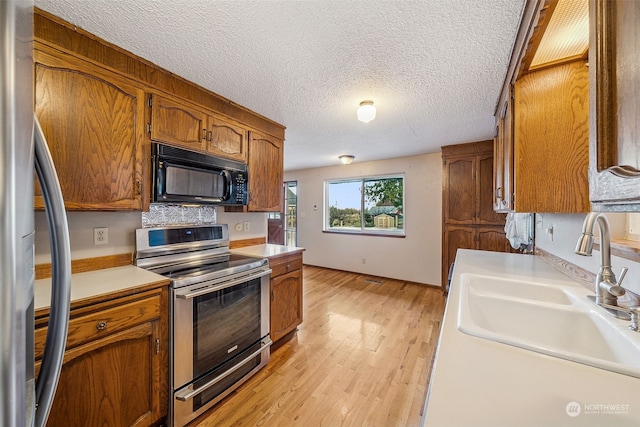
219, 332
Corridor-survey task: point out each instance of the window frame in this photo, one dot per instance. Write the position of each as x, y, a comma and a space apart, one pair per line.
363, 231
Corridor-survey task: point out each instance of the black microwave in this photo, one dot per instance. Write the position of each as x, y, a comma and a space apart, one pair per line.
188, 177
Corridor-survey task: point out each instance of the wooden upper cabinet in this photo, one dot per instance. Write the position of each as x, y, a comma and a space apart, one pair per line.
227, 139
93, 121
266, 173
177, 123
503, 159
551, 139
468, 180
484, 197
614, 167
459, 200
191, 127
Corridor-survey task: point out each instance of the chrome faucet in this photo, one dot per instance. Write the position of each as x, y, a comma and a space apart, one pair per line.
608, 289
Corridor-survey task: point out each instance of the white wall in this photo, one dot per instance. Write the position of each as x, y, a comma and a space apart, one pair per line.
566, 230
417, 257
122, 226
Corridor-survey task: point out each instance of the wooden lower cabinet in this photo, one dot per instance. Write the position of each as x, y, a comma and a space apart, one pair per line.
484, 238
115, 368
286, 295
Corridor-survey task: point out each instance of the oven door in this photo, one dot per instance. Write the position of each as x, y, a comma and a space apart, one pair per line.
220, 338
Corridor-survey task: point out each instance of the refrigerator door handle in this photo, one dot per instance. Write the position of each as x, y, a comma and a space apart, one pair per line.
47, 381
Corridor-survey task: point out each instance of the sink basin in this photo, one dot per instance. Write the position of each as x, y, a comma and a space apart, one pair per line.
549, 319
518, 289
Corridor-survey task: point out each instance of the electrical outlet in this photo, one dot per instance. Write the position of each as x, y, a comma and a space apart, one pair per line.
246, 226
100, 236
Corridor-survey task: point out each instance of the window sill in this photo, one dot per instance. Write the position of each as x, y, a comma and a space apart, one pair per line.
364, 233
628, 249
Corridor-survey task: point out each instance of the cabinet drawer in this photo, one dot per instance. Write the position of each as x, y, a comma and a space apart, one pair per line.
284, 265
104, 322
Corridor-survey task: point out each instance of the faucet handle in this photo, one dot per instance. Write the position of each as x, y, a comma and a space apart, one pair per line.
623, 273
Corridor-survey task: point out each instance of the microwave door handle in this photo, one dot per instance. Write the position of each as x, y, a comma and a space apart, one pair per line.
227, 188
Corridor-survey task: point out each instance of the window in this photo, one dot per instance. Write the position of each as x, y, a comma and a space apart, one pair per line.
373, 205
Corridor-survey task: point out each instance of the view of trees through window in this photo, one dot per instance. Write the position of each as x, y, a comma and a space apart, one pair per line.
366, 204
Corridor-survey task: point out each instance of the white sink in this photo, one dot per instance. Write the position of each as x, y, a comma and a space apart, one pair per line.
517, 289
550, 319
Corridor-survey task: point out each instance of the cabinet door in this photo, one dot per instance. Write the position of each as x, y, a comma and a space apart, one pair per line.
503, 159
492, 239
177, 123
265, 173
498, 161
227, 139
94, 125
484, 196
454, 238
614, 76
113, 381
552, 139
286, 303
507, 159
459, 191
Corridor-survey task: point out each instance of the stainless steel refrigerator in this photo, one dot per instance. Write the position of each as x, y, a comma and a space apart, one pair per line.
23, 400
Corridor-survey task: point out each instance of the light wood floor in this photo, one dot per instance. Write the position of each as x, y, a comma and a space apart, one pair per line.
362, 357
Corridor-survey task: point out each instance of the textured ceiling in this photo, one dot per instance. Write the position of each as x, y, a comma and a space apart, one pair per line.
433, 68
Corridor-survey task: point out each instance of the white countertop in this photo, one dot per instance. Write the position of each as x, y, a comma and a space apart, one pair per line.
95, 283
478, 382
267, 250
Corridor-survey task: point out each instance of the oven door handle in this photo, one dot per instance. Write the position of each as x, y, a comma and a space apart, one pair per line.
188, 393
226, 284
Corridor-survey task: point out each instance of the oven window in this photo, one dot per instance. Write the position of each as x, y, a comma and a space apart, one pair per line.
226, 323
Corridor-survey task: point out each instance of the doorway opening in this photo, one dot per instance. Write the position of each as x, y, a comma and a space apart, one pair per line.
282, 226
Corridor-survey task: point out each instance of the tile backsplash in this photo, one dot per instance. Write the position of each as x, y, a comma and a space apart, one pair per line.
162, 214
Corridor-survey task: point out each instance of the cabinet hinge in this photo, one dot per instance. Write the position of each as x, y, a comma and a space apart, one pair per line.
148, 127
157, 346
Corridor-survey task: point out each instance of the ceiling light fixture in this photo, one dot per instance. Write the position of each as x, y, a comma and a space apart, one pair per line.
366, 111
346, 159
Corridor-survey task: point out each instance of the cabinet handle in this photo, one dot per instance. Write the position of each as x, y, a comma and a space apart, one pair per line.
204, 134
288, 267
157, 346
210, 135
138, 187
273, 296
102, 325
